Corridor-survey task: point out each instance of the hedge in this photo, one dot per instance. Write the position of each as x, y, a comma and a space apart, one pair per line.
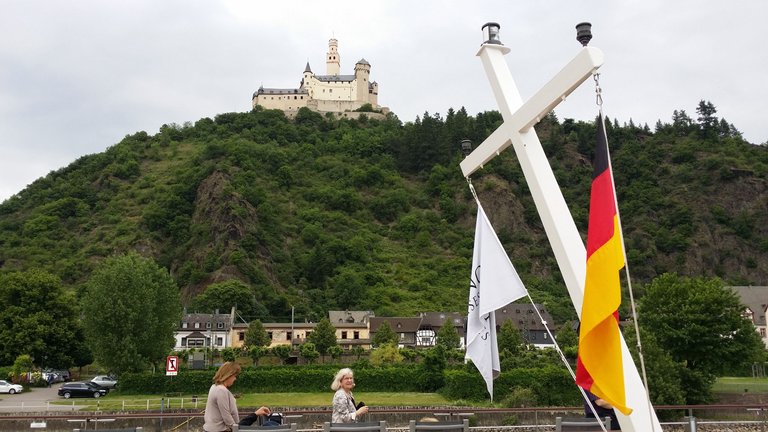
553, 386
272, 379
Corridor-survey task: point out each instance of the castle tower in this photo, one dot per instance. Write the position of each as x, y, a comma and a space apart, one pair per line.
362, 74
332, 59
306, 79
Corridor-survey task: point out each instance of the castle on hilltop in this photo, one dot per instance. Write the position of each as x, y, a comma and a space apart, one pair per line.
332, 92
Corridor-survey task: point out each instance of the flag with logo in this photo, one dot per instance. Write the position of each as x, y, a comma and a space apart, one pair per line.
494, 283
599, 367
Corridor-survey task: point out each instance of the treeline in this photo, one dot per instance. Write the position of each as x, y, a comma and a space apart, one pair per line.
319, 213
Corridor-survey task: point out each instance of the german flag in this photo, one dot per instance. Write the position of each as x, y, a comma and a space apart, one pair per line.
599, 367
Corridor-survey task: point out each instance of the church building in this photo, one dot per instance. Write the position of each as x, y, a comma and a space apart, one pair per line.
332, 92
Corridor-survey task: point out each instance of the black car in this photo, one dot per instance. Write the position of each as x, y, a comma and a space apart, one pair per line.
82, 389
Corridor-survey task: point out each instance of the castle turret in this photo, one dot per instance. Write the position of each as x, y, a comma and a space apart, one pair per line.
362, 73
332, 59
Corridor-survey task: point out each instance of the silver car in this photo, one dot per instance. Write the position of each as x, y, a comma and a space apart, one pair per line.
105, 381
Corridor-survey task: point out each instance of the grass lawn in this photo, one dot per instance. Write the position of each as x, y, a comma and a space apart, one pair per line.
116, 401
740, 384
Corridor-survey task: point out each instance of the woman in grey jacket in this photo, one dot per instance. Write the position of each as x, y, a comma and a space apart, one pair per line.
220, 409
344, 408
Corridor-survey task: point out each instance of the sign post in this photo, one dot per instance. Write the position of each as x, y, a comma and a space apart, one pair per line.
172, 366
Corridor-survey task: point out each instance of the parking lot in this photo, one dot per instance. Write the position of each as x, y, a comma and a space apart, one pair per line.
34, 400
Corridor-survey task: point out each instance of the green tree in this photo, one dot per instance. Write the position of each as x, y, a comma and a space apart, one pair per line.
566, 336
432, 376
131, 310
21, 365
664, 374
283, 352
336, 352
448, 337
309, 352
385, 335
256, 352
228, 354
323, 336
231, 293
386, 354
509, 339
257, 336
699, 323
358, 351
40, 320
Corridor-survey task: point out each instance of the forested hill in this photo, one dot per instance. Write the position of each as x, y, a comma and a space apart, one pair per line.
320, 213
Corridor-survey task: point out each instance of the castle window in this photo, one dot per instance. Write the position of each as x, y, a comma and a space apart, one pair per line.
294, 98
330, 90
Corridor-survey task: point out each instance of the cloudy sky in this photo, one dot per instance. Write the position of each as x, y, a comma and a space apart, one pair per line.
77, 76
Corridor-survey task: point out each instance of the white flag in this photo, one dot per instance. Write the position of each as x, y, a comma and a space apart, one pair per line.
501, 285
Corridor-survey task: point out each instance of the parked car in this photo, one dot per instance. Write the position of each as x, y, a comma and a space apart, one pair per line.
56, 375
6, 387
105, 381
82, 389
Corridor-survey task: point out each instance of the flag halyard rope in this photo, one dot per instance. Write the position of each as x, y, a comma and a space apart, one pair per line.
639, 345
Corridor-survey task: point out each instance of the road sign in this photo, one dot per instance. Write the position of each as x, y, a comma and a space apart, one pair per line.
172, 365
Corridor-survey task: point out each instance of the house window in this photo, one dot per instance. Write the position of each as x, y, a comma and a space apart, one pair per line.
343, 335
197, 325
184, 325
220, 325
545, 336
289, 335
219, 341
356, 335
183, 341
207, 325
241, 336
270, 335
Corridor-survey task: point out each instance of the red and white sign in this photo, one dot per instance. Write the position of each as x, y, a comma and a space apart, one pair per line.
172, 365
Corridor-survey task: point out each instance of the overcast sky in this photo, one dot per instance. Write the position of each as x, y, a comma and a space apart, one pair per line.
76, 76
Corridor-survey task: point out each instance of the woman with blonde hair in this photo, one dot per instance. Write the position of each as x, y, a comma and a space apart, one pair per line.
220, 409
344, 408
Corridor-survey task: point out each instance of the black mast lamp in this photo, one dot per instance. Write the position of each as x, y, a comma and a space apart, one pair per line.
584, 33
466, 147
491, 33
